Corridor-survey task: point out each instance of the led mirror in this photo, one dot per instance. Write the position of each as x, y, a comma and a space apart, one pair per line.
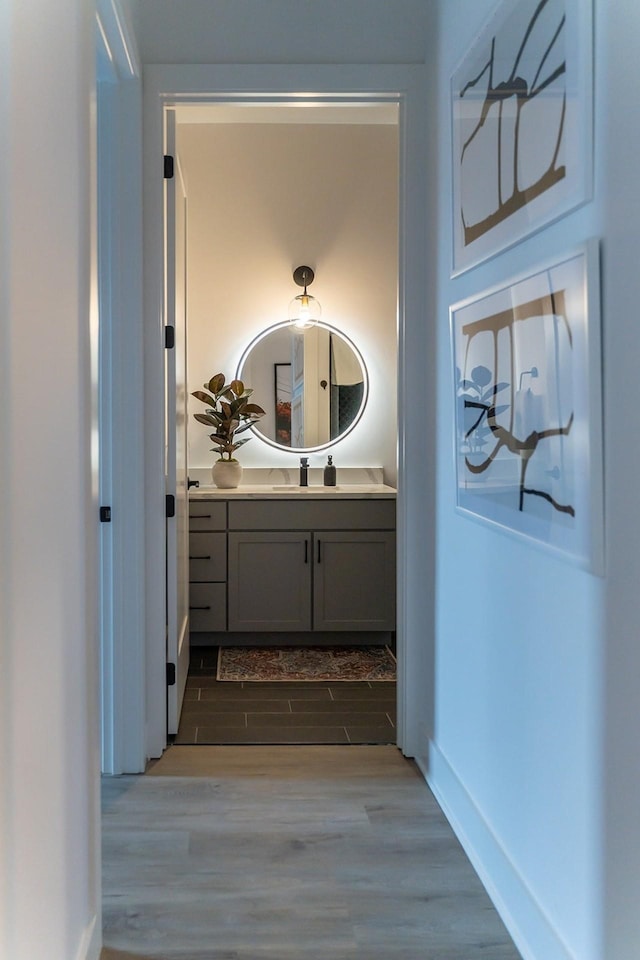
312, 384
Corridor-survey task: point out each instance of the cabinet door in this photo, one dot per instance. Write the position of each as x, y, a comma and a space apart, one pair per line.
354, 580
269, 581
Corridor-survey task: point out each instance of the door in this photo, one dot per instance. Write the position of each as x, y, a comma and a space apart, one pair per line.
354, 580
270, 581
176, 485
106, 193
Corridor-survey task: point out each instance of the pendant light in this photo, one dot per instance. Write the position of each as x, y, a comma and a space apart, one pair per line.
304, 310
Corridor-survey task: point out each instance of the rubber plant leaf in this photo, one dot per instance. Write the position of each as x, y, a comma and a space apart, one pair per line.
216, 383
205, 397
206, 419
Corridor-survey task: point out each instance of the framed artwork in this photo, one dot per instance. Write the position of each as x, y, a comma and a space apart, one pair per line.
528, 437
522, 128
282, 384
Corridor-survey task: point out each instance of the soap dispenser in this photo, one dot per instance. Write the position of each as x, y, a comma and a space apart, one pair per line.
330, 473
304, 471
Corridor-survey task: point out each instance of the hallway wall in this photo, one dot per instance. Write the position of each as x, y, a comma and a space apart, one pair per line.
49, 753
534, 752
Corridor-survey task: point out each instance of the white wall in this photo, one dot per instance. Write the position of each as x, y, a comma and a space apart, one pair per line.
534, 753
49, 869
264, 199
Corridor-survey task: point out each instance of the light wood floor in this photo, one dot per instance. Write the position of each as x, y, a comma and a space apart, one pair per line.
288, 853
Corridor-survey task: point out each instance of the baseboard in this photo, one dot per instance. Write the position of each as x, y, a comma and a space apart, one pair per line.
338, 638
531, 929
91, 941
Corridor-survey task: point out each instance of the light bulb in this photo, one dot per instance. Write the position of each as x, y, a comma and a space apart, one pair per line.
304, 311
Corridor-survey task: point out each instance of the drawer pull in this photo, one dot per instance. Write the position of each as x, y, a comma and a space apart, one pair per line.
199, 558
199, 608
201, 516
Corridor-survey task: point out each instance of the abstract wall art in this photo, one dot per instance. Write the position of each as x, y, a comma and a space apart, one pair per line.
528, 445
521, 110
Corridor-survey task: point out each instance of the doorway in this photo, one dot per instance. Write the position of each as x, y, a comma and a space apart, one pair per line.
360, 85
267, 185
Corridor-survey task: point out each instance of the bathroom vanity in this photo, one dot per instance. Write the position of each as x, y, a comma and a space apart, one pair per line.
289, 564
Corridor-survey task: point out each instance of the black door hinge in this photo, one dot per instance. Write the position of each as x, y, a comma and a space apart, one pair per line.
170, 505
105, 514
168, 167
169, 337
171, 674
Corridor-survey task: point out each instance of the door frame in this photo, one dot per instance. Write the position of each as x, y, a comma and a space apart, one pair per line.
119, 193
405, 85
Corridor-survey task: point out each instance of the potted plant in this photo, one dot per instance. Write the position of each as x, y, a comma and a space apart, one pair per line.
229, 413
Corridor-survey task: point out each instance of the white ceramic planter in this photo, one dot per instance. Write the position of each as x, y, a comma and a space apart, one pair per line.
227, 474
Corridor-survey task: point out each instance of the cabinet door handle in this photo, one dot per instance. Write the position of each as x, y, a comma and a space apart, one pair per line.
319, 558
306, 550
199, 558
199, 608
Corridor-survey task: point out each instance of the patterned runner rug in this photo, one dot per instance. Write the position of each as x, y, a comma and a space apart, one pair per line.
306, 663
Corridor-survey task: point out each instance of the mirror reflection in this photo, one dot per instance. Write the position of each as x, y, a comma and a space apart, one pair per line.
311, 383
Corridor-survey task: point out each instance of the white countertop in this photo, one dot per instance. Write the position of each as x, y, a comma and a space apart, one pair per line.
263, 491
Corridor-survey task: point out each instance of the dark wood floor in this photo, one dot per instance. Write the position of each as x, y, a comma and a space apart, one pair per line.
323, 712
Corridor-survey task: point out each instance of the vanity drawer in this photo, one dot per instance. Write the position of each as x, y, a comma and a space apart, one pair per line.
312, 515
207, 556
207, 607
207, 515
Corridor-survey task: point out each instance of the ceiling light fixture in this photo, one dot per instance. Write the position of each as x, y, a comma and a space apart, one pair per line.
304, 310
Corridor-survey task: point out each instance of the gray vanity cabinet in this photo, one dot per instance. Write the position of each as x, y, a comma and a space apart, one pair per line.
304, 567
337, 573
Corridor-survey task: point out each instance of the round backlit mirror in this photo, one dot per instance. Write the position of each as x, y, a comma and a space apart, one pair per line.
312, 384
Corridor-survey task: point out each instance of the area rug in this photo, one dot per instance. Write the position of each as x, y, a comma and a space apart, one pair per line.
272, 664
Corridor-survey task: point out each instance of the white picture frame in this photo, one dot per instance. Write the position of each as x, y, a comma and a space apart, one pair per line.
528, 407
522, 125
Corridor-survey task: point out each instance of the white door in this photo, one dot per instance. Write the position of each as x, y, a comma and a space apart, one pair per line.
176, 436
106, 80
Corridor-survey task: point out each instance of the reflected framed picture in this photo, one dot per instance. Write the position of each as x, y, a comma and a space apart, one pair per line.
528, 396
282, 383
522, 125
